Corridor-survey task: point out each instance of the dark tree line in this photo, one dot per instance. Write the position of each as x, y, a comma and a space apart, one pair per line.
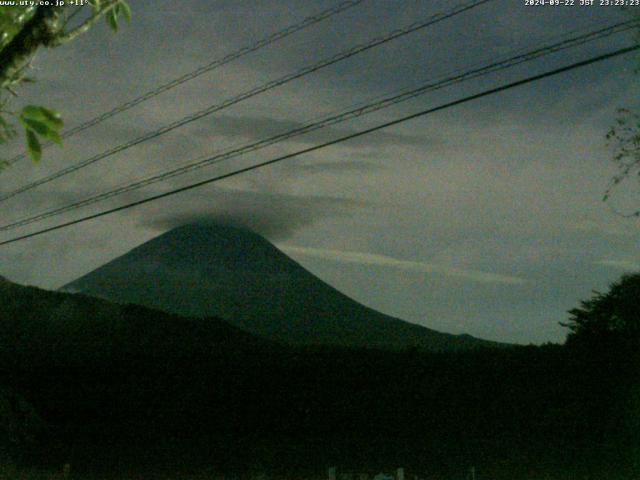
126, 388
610, 319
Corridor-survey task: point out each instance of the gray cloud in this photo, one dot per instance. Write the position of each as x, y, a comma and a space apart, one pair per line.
276, 216
630, 265
259, 127
366, 258
343, 166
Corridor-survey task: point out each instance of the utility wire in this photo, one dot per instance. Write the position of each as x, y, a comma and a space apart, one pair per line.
274, 37
345, 54
218, 178
331, 120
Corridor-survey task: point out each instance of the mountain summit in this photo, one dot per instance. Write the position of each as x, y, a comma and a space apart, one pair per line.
235, 274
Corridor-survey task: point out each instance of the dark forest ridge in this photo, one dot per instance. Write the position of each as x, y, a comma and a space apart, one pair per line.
56, 325
237, 275
128, 387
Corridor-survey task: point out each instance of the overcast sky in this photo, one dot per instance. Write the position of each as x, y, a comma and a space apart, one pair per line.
485, 218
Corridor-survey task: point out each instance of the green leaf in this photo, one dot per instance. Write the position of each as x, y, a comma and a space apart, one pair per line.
49, 117
125, 10
96, 4
53, 117
31, 111
34, 147
43, 122
112, 19
42, 129
55, 137
37, 126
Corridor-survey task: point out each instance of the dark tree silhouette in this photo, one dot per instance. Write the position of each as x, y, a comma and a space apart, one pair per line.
608, 318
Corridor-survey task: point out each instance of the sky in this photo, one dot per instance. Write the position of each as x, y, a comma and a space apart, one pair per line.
485, 218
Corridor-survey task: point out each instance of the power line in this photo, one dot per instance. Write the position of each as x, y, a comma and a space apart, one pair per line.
527, 56
264, 42
217, 178
345, 54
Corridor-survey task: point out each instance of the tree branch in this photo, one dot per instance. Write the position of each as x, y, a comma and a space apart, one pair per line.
84, 26
40, 30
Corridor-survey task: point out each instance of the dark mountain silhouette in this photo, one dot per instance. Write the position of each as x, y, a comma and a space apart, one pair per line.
56, 325
237, 275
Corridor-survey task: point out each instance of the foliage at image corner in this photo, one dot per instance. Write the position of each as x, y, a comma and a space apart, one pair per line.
608, 320
624, 138
24, 31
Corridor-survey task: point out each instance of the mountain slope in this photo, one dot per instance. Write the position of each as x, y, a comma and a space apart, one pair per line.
75, 328
239, 276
